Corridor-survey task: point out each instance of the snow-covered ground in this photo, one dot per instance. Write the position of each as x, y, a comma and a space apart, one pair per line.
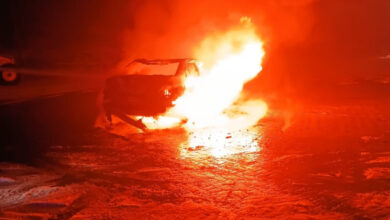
327, 162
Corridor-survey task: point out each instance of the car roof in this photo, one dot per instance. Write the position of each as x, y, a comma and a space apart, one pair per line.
162, 61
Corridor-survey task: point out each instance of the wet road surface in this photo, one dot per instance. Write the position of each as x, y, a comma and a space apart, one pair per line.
327, 162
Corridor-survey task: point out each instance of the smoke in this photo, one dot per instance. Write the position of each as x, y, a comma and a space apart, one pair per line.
173, 28
81, 33
101, 33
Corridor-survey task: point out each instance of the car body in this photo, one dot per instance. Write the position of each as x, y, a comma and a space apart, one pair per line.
8, 76
145, 93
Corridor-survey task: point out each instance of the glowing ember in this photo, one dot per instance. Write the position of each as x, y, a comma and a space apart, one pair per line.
212, 102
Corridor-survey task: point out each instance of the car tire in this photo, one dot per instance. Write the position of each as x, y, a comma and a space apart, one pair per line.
9, 77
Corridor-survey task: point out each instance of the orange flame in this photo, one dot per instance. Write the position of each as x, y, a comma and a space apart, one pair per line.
212, 101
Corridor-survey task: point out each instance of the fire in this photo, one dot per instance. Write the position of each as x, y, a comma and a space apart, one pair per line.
212, 102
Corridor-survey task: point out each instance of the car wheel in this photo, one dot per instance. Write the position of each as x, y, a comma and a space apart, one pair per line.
9, 77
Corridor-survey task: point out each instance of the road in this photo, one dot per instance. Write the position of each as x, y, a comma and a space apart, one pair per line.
314, 162
45, 83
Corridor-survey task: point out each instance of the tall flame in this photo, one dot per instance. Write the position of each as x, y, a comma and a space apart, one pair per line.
212, 101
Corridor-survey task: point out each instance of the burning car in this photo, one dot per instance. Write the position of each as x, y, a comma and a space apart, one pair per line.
7, 75
150, 89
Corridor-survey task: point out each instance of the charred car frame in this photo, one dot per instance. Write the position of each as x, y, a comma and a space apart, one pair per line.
143, 92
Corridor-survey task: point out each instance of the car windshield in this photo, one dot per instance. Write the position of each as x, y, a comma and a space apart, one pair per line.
139, 68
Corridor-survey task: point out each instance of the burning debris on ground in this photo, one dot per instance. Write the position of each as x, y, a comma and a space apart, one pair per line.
208, 110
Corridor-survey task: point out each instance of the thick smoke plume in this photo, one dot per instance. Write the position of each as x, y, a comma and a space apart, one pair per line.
172, 28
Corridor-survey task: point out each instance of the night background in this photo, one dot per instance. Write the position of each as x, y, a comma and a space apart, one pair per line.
323, 143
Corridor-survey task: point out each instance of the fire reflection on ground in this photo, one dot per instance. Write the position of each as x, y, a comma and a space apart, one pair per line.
219, 143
